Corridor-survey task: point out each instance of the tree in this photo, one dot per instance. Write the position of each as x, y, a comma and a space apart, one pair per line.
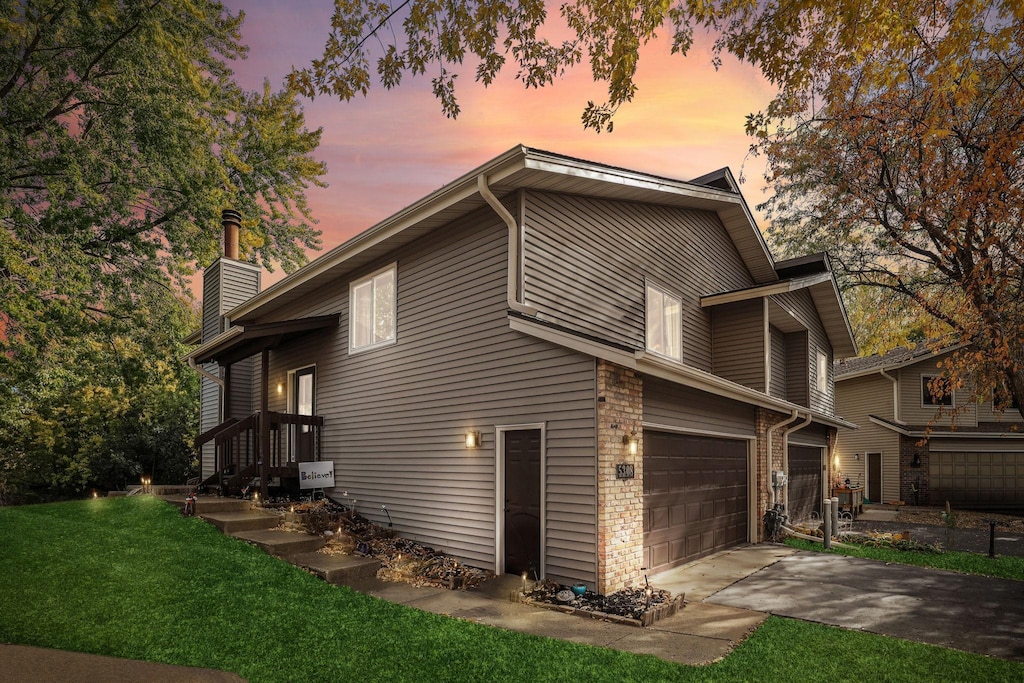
894, 140
123, 138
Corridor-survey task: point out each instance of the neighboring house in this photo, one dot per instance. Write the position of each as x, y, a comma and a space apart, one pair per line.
548, 366
977, 463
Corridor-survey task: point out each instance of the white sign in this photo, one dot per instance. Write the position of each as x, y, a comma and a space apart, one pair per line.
316, 475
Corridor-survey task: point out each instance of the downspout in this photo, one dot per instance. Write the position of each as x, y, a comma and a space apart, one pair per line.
768, 457
895, 395
512, 286
785, 456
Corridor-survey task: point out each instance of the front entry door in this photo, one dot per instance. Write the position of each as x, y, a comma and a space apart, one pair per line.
303, 390
522, 502
875, 477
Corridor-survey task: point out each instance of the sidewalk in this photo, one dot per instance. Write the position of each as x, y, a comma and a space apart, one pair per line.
699, 633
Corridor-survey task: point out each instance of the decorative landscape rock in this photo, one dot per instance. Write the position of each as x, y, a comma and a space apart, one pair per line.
634, 606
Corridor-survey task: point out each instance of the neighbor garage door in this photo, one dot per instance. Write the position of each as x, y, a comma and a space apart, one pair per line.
981, 480
804, 481
695, 497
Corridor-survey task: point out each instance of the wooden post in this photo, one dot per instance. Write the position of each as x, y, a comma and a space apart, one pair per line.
264, 424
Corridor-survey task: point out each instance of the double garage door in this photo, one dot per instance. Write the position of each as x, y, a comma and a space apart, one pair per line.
980, 480
695, 497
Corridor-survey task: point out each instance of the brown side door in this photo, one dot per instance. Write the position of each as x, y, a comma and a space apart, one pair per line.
522, 502
695, 497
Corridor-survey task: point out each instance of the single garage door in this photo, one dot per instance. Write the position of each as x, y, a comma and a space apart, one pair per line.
980, 480
804, 481
695, 497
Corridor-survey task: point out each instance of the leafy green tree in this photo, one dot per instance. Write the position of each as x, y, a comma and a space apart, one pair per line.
123, 136
895, 139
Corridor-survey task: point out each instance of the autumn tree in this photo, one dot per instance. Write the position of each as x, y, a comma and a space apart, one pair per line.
894, 141
123, 136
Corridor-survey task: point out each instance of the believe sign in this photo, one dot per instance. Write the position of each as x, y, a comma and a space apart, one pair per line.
316, 475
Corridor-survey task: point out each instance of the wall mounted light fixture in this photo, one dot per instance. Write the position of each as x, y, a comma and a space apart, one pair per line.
631, 443
472, 439
280, 388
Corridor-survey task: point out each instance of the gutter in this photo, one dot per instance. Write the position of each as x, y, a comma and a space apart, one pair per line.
514, 231
204, 373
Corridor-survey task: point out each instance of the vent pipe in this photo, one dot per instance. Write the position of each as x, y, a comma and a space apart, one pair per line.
232, 221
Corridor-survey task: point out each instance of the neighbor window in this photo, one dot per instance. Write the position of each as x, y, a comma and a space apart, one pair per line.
928, 398
822, 372
664, 322
372, 310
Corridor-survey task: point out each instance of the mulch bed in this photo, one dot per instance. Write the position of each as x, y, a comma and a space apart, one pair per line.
634, 606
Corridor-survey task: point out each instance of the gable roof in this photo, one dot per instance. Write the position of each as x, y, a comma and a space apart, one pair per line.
520, 167
814, 273
899, 357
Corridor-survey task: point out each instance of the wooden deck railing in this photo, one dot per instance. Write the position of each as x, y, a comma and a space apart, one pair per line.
293, 439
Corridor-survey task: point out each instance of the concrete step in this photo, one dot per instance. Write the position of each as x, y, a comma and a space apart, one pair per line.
341, 570
242, 520
281, 543
209, 504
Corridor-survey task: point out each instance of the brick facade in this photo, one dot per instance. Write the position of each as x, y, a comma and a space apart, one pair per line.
620, 502
764, 420
913, 477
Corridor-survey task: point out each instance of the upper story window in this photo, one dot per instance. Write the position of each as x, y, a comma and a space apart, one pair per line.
664, 322
930, 399
822, 374
372, 310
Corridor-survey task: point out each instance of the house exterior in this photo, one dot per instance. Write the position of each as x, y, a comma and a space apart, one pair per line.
907, 447
548, 366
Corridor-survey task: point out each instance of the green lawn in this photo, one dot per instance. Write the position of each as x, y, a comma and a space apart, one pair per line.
1003, 567
130, 577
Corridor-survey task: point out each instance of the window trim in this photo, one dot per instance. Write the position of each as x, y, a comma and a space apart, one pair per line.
821, 378
951, 396
664, 291
352, 348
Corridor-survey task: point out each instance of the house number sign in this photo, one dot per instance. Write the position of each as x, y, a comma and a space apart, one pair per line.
623, 471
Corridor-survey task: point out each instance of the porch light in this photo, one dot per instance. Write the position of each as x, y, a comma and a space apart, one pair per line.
280, 388
631, 442
472, 439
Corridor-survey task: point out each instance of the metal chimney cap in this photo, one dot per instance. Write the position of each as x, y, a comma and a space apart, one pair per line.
231, 216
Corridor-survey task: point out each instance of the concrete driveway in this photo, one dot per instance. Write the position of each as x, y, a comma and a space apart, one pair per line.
972, 613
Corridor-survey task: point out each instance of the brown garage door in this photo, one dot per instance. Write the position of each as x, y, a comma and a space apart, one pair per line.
978, 480
695, 497
804, 481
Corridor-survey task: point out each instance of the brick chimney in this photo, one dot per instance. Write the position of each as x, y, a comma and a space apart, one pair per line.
232, 221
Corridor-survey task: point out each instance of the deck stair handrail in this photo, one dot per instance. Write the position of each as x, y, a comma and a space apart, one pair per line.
237, 445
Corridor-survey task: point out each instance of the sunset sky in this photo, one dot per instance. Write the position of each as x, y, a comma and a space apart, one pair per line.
387, 150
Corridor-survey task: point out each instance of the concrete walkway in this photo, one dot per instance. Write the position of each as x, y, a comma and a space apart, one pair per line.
699, 633
972, 613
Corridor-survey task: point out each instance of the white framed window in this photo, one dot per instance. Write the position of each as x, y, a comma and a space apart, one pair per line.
372, 310
664, 322
928, 398
822, 376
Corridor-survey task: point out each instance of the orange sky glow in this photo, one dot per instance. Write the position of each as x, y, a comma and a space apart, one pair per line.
389, 149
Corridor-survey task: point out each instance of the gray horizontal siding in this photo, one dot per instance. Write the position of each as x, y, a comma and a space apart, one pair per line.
856, 399
396, 416
801, 306
209, 416
239, 283
911, 409
211, 301
738, 333
797, 368
673, 405
586, 261
811, 435
777, 380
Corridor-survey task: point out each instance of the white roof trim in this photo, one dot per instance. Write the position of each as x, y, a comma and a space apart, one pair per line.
780, 287
670, 370
1013, 436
